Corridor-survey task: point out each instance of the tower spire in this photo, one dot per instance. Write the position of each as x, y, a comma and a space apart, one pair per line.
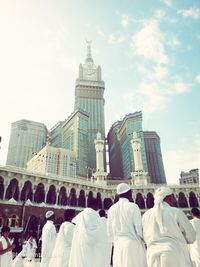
89, 54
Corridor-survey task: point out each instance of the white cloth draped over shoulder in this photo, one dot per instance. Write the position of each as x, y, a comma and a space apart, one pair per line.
167, 237
62, 249
105, 243
195, 247
125, 229
48, 243
86, 239
6, 258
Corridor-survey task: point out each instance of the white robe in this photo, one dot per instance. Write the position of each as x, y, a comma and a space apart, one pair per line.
86, 239
105, 244
125, 229
62, 249
195, 247
6, 258
167, 246
31, 246
18, 261
48, 243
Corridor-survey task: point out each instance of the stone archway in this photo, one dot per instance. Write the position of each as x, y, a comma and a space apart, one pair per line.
89, 198
39, 196
13, 190
100, 204
51, 195
82, 199
1, 187
72, 197
140, 201
107, 203
27, 192
62, 197
182, 200
193, 200
150, 200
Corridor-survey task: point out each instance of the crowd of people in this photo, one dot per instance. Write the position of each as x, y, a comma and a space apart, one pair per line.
162, 237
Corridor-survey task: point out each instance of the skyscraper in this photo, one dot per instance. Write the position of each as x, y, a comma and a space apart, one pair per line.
119, 141
26, 138
89, 96
154, 157
72, 134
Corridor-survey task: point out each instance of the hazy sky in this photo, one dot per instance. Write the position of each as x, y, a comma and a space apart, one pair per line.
149, 52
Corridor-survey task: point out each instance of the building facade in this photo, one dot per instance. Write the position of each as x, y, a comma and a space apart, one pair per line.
26, 196
89, 96
72, 134
119, 143
154, 157
53, 160
26, 138
191, 177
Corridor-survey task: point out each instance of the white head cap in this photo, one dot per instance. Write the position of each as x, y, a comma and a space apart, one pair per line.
123, 188
161, 193
49, 214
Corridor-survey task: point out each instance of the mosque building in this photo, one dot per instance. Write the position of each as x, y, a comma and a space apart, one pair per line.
66, 166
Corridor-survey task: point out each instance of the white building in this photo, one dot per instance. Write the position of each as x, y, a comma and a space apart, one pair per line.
191, 177
53, 160
26, 137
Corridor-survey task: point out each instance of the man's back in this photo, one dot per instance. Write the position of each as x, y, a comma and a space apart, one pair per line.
124, 219
167, 244
125, 229
175, 223
48, 242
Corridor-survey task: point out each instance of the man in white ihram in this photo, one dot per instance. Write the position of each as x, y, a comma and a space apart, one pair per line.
62, 249
86, 239
125, 229
48, 239
166, 232
195, 247
105, 243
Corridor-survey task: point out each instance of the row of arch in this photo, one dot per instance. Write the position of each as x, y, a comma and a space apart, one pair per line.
72, 198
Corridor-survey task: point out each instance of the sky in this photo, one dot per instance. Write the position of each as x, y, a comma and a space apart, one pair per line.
149, 52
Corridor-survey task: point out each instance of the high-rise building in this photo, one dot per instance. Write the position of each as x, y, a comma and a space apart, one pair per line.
72, 134
27, 137
53, 160
119, 142
154, 157
191, 177
89, 96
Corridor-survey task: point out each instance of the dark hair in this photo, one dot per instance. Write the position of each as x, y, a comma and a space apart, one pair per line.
5, 229
69, 215
102, 213
195, 212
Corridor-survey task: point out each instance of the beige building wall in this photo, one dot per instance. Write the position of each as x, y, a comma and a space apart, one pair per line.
52, 160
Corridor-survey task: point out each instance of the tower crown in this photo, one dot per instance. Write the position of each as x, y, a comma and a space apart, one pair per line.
89, 58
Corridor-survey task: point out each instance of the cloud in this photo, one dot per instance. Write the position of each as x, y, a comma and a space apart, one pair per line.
190, 12
198, 78
112, 38
125, 20
152, 96
167, 3
149, 43
174, 42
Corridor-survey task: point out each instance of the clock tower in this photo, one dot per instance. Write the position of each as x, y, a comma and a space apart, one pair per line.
89, 96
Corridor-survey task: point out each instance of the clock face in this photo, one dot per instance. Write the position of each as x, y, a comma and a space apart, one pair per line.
90, 74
